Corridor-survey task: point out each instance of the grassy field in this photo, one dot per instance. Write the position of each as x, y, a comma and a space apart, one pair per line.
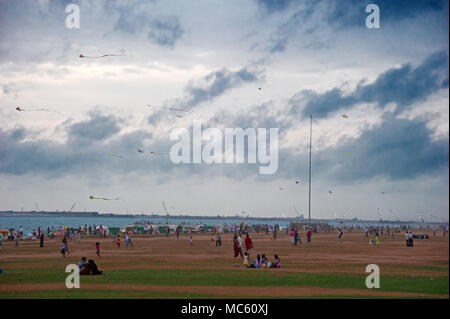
162, 267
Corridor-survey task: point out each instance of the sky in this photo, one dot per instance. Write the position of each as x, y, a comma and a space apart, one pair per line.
232, 64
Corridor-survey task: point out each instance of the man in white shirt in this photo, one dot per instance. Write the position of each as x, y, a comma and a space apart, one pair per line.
239, 239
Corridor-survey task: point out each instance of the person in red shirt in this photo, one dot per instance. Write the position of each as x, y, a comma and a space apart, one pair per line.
308, 235
248, 244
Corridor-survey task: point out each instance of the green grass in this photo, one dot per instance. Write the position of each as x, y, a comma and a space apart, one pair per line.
98, 294
237, 277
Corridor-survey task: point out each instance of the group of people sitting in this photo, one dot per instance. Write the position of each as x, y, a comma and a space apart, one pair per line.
88, 268
262, 262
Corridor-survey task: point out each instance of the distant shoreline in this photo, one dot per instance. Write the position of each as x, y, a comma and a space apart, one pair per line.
146, 216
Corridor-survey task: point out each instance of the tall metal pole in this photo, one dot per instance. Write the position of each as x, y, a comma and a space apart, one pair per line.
164, 205
310, 142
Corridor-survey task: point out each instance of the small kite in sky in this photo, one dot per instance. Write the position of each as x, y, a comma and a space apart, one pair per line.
296, 182
330, 192
345, 116
281, 188
348, 155
103, 198
389, 192
37, 110
178, 115
156, 153
98, 57
319, 157
113, 155
174, 109
259, 89
140, 151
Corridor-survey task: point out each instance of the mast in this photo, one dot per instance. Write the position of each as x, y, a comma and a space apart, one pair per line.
310, 143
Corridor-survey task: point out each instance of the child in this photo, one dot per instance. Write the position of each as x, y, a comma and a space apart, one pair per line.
118, 241
114, 239
377, 241
246, 260
190, 242
97, 248
371, 243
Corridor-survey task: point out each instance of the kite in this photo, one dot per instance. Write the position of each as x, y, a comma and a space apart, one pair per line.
156, 153
178, 115
297, 182
281, 188
259, 89
37, 110
112, 155
97, 57
389, 192
140, 151
174, 109
92, 197
348, 155
330, 192
319, 157
345, 116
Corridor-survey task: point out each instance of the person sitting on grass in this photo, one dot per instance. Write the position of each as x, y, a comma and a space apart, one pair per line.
83, 266
94, 269
263, 261
276, 263
257, 262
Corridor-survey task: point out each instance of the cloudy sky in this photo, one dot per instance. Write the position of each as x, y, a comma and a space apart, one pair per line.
314, 57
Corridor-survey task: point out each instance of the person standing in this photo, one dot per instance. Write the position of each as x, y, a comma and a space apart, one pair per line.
127, 239
240, 245
340, 234
248, 245
308, 236
235, 245
292, 236
218, 240
97, 248
118, 241
41, 244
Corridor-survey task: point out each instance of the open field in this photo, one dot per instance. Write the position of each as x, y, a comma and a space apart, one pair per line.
166, 267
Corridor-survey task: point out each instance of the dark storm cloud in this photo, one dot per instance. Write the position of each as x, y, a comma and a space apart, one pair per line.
397, 149
344, 14
218, 83
85, 152
274, 5
98, 127
350, 13
404, 86
163, 30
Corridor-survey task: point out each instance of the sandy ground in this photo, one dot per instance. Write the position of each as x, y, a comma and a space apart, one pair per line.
326, 254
